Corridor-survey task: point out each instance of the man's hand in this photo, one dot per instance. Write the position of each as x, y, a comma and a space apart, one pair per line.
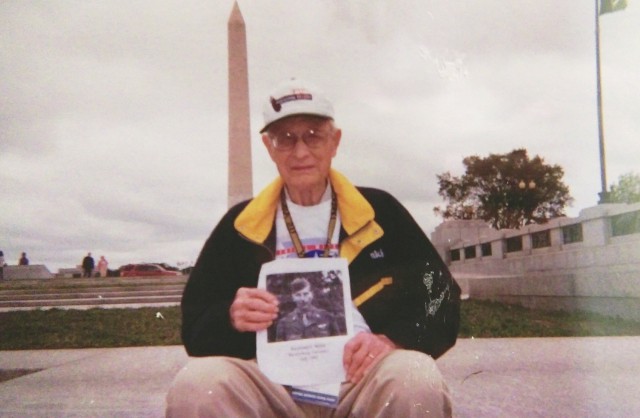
253, 309
364, 351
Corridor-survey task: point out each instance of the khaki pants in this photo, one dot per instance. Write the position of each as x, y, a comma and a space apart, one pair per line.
404, 384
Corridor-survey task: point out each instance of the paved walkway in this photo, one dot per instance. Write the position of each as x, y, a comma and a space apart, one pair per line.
511, 377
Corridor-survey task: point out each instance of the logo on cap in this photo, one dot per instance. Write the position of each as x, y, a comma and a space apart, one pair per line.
277, 103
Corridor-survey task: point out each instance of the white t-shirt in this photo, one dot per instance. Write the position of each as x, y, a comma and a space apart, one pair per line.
312, 224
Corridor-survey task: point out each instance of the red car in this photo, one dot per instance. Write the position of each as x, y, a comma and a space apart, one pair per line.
141, 270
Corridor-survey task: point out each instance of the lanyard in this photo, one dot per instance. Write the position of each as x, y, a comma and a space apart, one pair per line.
288, 220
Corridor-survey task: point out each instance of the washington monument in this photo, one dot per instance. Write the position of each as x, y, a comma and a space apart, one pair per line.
240, 174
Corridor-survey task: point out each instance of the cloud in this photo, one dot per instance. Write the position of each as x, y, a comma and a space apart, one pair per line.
113, 123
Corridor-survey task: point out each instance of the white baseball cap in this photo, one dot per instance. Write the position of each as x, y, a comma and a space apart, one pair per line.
295, 97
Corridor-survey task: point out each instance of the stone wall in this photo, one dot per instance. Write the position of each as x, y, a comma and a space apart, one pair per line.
591, 262
35, 271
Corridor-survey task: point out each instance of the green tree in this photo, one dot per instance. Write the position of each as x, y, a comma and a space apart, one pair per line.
627, 190
506, 190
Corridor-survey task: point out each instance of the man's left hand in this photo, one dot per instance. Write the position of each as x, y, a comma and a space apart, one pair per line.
364, 351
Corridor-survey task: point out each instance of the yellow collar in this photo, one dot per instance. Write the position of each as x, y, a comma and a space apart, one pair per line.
256, 220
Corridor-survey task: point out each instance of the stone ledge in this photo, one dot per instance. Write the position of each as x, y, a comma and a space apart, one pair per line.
36, 271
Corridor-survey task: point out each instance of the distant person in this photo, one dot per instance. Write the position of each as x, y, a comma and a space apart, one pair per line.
24, 261
87, 265
306, 320
1, 265
102, 266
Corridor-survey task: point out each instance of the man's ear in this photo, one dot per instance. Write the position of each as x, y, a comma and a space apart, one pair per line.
337, 135
268, 145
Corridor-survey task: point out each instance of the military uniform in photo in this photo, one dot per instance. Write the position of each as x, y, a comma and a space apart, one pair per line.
314, 323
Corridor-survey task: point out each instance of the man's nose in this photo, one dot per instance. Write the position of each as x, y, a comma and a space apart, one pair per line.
300, 149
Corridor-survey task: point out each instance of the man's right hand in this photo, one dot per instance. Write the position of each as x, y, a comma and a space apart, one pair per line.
253, 309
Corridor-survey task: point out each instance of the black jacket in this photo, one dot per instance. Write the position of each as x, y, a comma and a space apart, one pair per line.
398, 280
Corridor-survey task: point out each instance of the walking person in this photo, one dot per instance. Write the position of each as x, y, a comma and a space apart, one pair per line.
102, 266
88, 265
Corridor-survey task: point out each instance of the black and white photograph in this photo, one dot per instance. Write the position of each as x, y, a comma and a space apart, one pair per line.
314, 321
311, 305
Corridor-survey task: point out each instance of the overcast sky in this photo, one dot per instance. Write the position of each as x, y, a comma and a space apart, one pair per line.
113, 114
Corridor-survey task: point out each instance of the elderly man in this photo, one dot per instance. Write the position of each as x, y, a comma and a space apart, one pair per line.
406, 302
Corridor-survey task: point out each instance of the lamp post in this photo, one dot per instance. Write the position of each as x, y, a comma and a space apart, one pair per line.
526, 197
522, 185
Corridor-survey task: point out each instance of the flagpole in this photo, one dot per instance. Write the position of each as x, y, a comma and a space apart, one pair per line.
603, 175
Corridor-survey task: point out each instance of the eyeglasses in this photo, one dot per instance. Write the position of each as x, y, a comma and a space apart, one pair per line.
286, 141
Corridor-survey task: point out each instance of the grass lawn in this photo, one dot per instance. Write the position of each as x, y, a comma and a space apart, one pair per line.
483, 319
58, 328
93, 328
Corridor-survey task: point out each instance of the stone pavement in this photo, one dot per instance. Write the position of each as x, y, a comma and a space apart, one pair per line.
510, 377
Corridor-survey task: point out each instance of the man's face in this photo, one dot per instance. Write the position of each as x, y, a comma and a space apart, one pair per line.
303, 167
303, 297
